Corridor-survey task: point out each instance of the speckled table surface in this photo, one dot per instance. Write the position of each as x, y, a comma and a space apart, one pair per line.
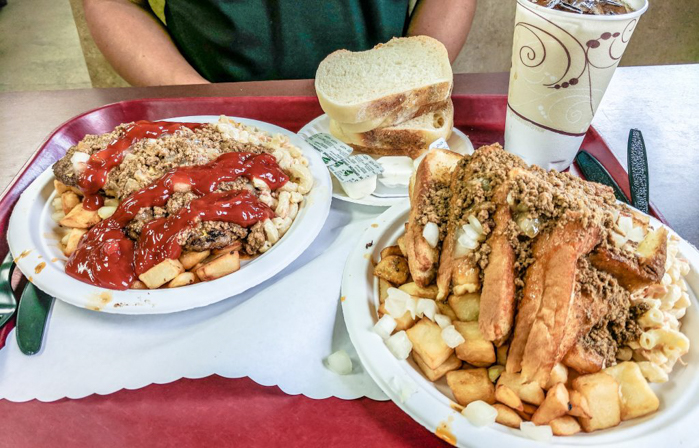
662, 101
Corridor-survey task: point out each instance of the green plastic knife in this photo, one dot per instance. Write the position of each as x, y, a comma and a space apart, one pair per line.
8, 303
33, 312
594, 171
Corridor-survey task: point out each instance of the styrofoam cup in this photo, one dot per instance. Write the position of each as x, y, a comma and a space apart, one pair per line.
562, 63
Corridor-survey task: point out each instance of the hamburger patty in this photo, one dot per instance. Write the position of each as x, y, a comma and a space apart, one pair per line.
149, 159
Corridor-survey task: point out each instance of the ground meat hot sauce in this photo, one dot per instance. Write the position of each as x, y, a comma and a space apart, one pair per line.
93, 178
106, 257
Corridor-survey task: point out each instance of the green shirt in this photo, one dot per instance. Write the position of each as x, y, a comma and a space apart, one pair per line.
238, 40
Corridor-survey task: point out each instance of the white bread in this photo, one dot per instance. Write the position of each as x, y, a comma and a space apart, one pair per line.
406, 72
398, 115
410, 138
432, 177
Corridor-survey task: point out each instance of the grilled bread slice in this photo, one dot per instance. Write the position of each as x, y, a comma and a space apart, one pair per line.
474, 183
429, 200
405, 72
565, 247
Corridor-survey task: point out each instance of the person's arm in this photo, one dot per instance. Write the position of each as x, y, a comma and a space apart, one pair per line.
137, 45
448, 21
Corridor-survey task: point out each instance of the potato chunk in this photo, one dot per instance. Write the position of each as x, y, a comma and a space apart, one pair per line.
501, 354
507, 416
564, 426
508, 397
578, 405
475, 350
452, 363
445, 309
68, 201
601, 391
403, 323
74, 238
412, 288
184, 279
391, 250
79, 218
383, 290
466, 307
191, 259
161, 273
637, 398
529, 392
555, 405
59, 186
218, 267
471, 385
426, 337
401, 245
393, 269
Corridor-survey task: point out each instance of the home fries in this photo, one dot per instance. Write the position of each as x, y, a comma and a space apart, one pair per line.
155, 204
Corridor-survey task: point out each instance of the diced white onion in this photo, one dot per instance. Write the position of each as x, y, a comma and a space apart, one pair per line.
619, 240
385, 326
340, 363
260, 184
426, 307
182, 187
615, 214
397, 302
442, 320
411, 306
403, 386
79, 159
539, 433
399, 345
467, 242
471, 233
106, 211
452, 336
459, 250
111, 202
636, 234
480, 413
625, 224
57, 204
431, 234
476, 224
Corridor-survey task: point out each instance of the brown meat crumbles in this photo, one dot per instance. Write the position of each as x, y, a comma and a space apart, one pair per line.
618, 326
149, 159
539, 201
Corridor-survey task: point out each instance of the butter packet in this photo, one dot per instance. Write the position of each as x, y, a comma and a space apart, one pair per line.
336, 156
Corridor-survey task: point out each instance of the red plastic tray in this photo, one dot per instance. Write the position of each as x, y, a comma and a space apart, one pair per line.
213, 410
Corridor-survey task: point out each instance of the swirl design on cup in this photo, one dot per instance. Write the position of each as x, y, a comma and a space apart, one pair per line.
552, 57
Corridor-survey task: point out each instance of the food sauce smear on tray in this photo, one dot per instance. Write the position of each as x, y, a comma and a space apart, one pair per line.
106, 257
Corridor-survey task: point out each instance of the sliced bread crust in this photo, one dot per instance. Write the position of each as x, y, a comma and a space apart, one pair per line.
430, 184
407, 72
411, 138
399, 115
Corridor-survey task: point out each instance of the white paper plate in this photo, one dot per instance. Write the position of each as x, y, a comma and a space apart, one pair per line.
33, 241
383, 197
674, 424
